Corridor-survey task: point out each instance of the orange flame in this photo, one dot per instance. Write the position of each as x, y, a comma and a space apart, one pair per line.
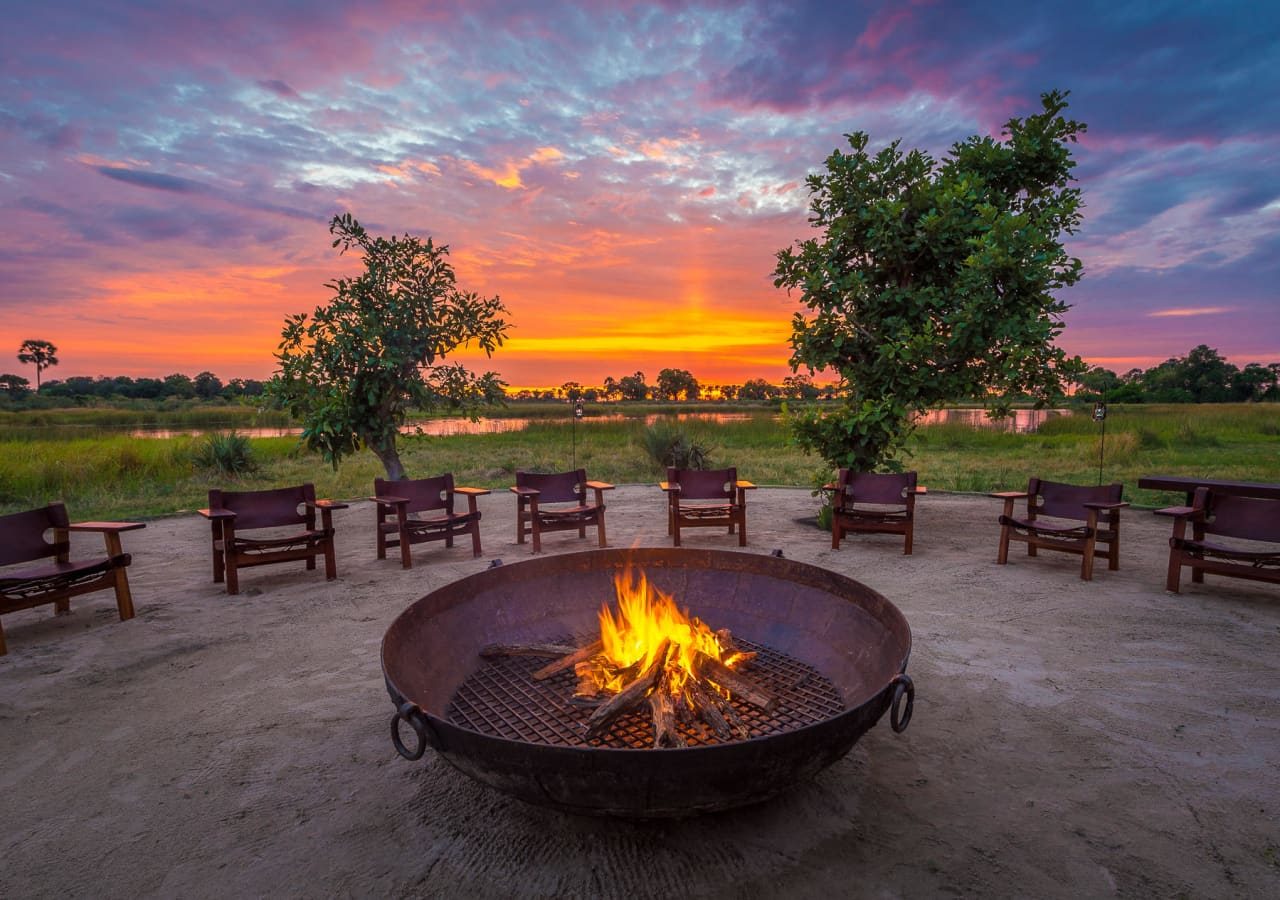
646, 618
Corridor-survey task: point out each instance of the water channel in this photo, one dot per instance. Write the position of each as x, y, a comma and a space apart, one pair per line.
1022, 420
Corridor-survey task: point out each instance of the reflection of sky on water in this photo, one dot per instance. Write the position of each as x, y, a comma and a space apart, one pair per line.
1022, 420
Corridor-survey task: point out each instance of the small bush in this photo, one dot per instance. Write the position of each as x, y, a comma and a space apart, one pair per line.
1150, 440
229, 453
668, 444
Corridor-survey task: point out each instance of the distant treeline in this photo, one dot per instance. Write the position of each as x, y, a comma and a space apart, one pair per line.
1202, 376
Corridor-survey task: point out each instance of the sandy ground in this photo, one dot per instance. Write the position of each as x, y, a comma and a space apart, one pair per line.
1069, 739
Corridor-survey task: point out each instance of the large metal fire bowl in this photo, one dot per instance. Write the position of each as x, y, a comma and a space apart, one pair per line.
856, 640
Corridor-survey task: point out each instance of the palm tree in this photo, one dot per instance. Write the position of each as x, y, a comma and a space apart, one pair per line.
41, 354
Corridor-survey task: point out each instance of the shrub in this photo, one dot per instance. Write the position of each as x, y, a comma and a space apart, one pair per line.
228, 453
668, 444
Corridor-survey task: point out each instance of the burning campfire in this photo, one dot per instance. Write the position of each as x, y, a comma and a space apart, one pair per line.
651, 652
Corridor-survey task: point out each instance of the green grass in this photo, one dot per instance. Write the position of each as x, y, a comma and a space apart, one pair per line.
113, 476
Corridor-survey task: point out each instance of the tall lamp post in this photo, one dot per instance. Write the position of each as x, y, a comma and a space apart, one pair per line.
1100, 416
577, 414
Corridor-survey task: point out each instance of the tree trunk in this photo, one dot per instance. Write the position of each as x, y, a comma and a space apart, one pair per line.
390, 459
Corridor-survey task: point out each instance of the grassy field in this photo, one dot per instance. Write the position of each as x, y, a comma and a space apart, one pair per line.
101, 473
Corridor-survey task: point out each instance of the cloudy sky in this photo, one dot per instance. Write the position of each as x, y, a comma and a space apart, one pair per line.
621, 174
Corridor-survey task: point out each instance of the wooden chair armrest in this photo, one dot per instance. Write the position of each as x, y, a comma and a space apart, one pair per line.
921, 489
1181, 512
1103, 506
327, 504
830, 486
524, 491
216, 514
111, 527
745, 486
389, 500
472, 492
600, 485
669, 488
1009, 495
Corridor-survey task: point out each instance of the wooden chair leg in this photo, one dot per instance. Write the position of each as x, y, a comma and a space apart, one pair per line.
675, 528
537, 536
4, 648
233, 577
219, 564
600, 528
475, 537
330, 560
1086, 565
124, 599
1197, 575
1002, 556
62, 607
742, 530
906, 544
835, 531
519, 525
1173, 578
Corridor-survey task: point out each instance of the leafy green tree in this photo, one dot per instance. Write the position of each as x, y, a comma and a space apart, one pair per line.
933, 282
799, 387
674, 384
40, 354
633, 387
207, 385
757, 389
14, 385
180, 386
352, 370
1254, 382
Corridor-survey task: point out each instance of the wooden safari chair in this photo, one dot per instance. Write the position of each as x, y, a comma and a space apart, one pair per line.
55, 578
566, 492
1075, 527
231, 513
874, 503
706, 498
413, 511
1214, 515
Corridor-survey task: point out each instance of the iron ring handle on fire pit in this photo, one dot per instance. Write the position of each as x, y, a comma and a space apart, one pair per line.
899, 718
410, 713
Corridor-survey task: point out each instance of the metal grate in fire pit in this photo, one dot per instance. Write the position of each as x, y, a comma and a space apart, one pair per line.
503, 700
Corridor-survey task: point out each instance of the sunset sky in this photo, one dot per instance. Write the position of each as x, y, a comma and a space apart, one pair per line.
621, 174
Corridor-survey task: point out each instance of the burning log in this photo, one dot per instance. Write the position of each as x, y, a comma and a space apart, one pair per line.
708, 709
731, 653
582, 654
662, 704
497, 651
734, 683
630, 696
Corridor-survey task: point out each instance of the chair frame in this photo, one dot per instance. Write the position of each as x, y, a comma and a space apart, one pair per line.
57, 582
396, 500
1213, 512
893, 495
688, 505
533, 518
1058, 500
232, 551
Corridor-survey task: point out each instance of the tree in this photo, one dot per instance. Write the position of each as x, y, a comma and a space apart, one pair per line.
207, 385
799, 387
351, 370
673, 384
933, 282
757, 389
40, 354
14, 385
180, 386
633, 387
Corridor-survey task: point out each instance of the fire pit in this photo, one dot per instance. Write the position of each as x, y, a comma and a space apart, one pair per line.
831, 651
